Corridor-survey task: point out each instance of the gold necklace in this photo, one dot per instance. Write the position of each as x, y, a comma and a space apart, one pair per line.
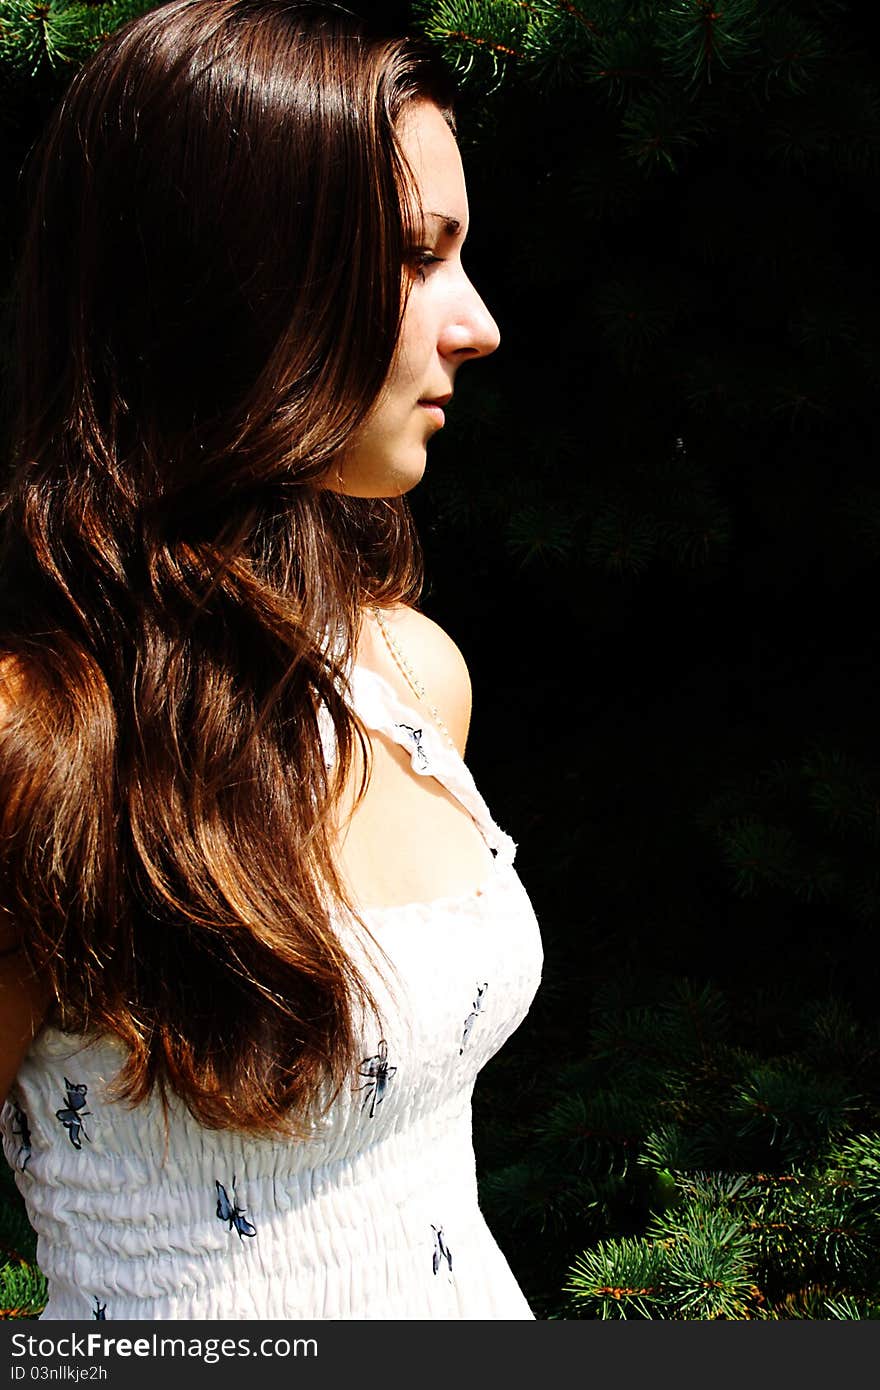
411, 678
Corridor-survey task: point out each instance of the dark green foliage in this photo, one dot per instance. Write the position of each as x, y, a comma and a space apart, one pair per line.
665, 154
46, 43
806, 828
707, 1164
22, 1285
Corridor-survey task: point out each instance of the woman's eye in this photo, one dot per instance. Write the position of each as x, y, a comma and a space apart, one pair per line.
421, 260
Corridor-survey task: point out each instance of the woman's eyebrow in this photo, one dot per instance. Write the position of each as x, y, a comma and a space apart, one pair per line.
451, 225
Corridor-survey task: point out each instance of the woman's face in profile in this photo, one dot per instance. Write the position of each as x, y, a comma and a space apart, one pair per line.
445, 322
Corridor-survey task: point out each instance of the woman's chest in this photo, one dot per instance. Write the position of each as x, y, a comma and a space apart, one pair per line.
407, 839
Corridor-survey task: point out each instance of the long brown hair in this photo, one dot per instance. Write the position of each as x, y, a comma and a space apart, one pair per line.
210, 291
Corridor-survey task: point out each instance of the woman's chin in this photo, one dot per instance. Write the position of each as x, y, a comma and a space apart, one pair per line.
389, 480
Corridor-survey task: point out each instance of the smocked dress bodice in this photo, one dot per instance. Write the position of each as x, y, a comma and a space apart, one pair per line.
375, 1215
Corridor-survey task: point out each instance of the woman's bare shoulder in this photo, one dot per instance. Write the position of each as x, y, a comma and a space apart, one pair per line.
435, 660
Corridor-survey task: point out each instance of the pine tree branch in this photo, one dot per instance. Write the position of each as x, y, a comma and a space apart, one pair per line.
488, 45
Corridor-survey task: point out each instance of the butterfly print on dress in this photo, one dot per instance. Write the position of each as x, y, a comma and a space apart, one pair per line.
476, 1008
441, 1249
378, 1074
71, 1116
232, 1212
420, 757
23, 1130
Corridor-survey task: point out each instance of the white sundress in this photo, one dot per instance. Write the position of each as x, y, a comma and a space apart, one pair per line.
376, 1214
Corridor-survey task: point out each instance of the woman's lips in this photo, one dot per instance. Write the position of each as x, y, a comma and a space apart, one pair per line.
435, 411
435, 406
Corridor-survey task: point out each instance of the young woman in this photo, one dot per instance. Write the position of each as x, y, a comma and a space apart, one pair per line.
260, 930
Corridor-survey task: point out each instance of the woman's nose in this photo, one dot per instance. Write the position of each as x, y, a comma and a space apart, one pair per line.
470, 330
